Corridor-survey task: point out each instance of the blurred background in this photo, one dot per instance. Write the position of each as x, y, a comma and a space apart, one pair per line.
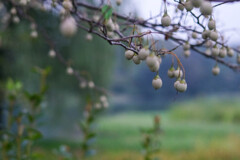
202, 123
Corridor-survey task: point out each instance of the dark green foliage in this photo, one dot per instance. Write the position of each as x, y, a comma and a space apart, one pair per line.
151, 142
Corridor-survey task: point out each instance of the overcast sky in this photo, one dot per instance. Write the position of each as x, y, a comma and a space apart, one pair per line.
227, 16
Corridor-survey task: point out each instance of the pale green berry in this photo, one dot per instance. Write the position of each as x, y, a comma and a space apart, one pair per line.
70, 71
205, 34
194, 35
96, 18
52, 53
208, 51
143, 53
188, 5
213, 35
211, 24
178, 73
215, 51
157, 82
206, 8
152, 62
89, 37
181, 86
208, 44
171, 72
180, 7
136, 59
186, 46
197, 3
166, 20
68, 26
230, 52
129, 54
187, 53
91, 84
222, 52
118, 2
216, 70
67, 4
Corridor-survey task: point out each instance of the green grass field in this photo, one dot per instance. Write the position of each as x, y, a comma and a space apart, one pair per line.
119, 136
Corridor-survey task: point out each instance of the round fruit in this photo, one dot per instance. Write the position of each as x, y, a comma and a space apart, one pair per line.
230, 52
34, 34
206, 8
166, 20
215, 51
186, 46
98, 106
157, 82
178, 73
68, 26
211, 24
96, 18
13, 10
197, 3
89, 37
83, 84
129, 54
136, 59
187, 53
16, 19
171, 72
143, 53
106, 104
52, 53
205, 34
118, 2
176, 83
155, 68
222, 52
189, 5
213, 35
110, 25
208, 51
70, 71
103, 98
152, 62
216, 70
91, 84
180, 6
194, 35
181, 86
67, 4
208, 44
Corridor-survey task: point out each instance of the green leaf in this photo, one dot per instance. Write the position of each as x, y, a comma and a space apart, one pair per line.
48, 70
91, 135
107, 11
33, 134
18, 85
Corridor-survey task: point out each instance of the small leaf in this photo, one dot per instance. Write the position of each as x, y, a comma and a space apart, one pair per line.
33, 134
107, 11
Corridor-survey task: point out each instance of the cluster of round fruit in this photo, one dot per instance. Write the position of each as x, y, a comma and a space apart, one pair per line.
153, 62
205, 6
34, 33
102, 103
68, 26
220, 52
205, 9
14, 16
